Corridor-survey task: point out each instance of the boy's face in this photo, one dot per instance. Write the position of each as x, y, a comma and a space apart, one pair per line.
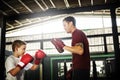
21, 50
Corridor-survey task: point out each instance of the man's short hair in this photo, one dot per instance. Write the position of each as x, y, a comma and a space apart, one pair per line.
70, 19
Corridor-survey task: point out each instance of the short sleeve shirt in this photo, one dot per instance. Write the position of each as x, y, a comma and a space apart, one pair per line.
80, 61
11, 63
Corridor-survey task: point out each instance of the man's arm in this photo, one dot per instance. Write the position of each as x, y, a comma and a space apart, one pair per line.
60, 46
77, 49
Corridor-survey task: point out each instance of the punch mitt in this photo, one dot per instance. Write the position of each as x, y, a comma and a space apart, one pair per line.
58, 43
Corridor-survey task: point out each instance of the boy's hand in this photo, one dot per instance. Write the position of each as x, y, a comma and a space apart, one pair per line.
38, 56
25, 60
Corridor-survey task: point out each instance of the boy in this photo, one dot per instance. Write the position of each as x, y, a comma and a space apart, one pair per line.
17, 63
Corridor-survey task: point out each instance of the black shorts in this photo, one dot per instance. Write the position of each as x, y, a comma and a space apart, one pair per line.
81, 75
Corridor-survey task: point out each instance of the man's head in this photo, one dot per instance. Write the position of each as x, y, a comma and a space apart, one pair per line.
69, 24
19, 47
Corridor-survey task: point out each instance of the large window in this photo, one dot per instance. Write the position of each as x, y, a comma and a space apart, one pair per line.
118, 21
83, 21
97, 26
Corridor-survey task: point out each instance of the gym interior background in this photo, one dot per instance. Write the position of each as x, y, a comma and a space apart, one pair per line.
37, 21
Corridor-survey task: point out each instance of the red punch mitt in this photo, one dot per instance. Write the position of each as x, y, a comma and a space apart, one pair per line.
58, 43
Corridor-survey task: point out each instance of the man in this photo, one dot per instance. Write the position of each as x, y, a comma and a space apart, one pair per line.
79, 48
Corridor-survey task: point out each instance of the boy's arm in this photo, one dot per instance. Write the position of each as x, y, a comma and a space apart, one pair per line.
34, 67
23, 62
31, 66
14, 71
39, 55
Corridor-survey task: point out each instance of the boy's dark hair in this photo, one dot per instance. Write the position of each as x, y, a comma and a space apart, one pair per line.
17, 43
70, 19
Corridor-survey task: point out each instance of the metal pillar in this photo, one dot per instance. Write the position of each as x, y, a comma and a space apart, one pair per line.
115, 41
65, 69
94, 71
2, 46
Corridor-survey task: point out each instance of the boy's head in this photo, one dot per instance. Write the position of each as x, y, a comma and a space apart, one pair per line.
19, 47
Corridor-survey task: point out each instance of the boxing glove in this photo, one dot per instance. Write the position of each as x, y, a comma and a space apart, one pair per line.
38, 56
58, 43
25, 59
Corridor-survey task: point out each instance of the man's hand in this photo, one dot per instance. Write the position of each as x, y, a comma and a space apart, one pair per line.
58, 43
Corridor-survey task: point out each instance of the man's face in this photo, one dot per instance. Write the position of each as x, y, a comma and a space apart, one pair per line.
67, 26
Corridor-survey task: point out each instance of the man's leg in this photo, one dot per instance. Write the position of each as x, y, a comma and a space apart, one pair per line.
81, 75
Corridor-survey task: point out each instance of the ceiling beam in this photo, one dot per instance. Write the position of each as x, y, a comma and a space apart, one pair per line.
79, 2
39, 5
52, 4
66, 3
44, 4
25, 6
18, 22
53, 12
10, 25
3, 12
10, 7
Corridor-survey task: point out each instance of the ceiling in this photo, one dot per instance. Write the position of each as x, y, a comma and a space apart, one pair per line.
20, 13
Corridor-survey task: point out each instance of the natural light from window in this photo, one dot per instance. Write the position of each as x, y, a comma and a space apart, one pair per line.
56, 25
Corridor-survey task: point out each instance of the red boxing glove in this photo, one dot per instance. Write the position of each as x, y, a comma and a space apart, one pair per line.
58, 43
38, 56
25, 60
